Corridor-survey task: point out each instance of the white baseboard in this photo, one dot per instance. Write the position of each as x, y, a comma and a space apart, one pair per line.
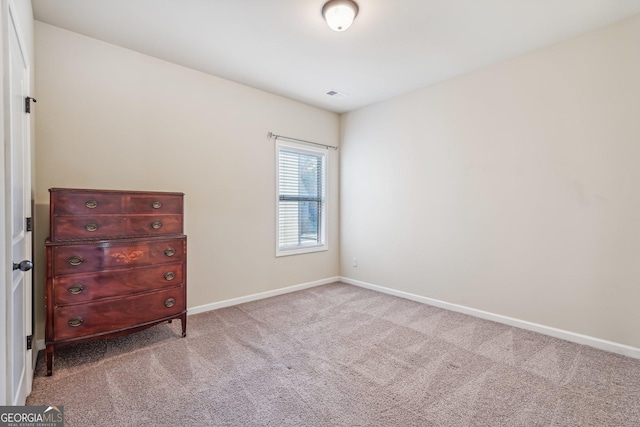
261, 295
598, 343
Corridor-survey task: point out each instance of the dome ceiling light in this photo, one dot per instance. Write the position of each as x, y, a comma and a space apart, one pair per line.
339, 14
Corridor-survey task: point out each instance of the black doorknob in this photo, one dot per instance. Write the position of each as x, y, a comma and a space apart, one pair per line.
25, 265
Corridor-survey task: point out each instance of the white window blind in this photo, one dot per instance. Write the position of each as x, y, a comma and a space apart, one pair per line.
301, 199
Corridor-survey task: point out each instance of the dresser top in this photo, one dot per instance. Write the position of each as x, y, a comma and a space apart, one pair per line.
84, 190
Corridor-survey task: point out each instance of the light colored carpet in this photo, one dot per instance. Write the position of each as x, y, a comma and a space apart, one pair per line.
338, 355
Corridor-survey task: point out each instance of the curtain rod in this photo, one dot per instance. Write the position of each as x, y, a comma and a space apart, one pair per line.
288, 138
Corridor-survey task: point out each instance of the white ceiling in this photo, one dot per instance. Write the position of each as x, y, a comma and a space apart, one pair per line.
285, 47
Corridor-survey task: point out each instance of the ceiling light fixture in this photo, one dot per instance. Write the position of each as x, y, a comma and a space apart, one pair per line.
339, 14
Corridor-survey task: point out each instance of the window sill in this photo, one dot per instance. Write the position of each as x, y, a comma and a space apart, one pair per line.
287, 252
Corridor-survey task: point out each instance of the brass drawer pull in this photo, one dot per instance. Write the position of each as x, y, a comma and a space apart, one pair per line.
76, 260
169, 252
91, 204
91, 227
75, 289
156, 225
170, 302
169, 275
156, 205
76, 321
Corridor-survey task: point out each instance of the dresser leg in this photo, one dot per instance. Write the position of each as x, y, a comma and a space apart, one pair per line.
49, 357
183, 320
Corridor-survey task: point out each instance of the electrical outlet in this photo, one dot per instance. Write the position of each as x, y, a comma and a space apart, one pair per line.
355, 262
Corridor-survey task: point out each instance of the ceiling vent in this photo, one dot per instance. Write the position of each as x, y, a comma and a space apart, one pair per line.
335, 94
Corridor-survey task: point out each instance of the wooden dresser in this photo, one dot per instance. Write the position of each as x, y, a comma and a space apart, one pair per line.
116, 264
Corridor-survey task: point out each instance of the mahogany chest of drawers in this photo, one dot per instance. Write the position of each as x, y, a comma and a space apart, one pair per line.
116, 264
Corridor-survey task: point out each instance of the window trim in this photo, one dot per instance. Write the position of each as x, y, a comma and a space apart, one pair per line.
302, 148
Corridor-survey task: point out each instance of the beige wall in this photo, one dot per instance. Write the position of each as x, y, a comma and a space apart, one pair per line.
112, 118
513, 189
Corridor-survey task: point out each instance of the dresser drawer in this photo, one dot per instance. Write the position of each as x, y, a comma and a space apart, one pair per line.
86, 203
151, 225
88, 227
81, 288
107, 255
98, 202
154, 204
114, 226
80, 320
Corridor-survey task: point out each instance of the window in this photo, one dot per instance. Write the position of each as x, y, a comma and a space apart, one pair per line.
301, 199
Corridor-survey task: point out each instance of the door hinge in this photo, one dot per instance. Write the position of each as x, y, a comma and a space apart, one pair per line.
27, 103
29, 224
29, 342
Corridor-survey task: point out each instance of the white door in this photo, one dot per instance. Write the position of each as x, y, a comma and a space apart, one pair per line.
18, 196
